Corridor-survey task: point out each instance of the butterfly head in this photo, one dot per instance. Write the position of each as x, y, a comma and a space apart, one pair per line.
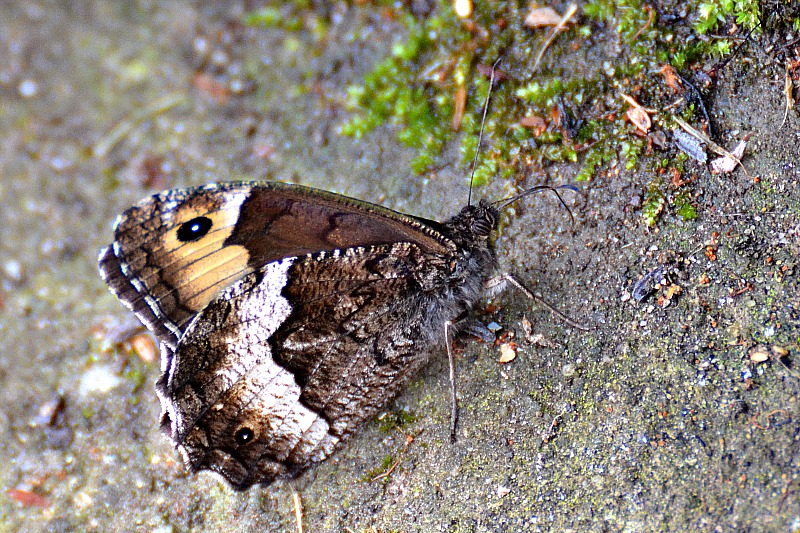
473, 224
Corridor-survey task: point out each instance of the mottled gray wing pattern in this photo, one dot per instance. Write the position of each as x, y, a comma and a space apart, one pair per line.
286, 363
358, 328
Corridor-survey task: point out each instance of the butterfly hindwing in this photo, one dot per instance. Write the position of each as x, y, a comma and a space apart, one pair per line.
321, 342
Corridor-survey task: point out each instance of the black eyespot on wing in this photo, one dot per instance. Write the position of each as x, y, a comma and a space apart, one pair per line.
194, 229
244, 436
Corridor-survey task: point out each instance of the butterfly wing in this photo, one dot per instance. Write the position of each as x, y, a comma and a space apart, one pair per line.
175, 251
285, 364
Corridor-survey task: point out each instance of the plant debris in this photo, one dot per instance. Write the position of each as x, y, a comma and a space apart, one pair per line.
726, 164
637, 115
714, 147
690, 146
28, 498
573, 8
508, 352
542, 17
788, 90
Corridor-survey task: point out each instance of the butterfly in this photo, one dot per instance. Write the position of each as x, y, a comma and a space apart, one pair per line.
287, 316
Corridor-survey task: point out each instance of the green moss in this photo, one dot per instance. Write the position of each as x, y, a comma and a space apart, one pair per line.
265, 17
288, 16
542, 93
395, 93
711, 14
630, 151
684, 207
391, 421
413, 89
628, 17
653, 205
136, 375
386, 464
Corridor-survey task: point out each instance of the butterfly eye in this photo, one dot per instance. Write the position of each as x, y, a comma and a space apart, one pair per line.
483, 226
194, 229
244, 436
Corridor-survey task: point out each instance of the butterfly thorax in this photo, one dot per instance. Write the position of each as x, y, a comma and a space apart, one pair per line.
470, 231
468, 271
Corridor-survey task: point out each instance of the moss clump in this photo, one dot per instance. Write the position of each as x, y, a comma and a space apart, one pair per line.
418, 86
711, 14
288, 16
396, 93
654, 201
389, 422
373, 473
684, 207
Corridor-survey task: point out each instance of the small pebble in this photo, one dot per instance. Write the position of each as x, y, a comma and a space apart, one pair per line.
463, 8
28, 88
98, 379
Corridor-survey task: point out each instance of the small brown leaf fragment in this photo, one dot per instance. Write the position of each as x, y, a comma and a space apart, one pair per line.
209, 86
672, 78
28, 498
151, 172
726, 164
676, 178
508, 352
637, 115
263, 150
557, 29
639, 118
535, 123
542, 17
143, 345
460, 103
759, 353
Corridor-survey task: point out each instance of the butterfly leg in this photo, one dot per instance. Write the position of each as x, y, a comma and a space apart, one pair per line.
470, 326
448, 328
498, 283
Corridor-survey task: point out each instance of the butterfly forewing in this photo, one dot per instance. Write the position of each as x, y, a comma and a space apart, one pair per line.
174, 252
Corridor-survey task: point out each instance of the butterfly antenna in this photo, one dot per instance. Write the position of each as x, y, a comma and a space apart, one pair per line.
503, 203
483, 124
